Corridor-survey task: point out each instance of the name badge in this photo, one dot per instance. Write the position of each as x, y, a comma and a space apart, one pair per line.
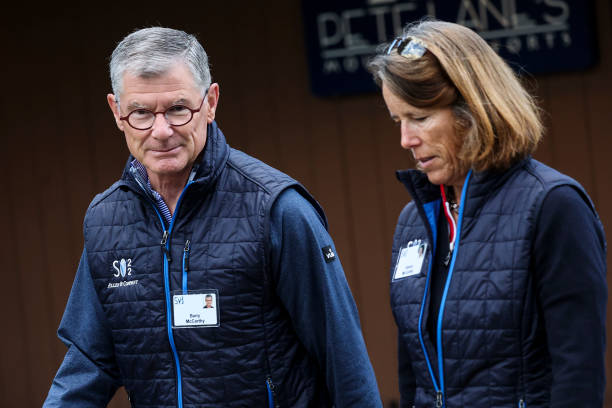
410, 259
195, 308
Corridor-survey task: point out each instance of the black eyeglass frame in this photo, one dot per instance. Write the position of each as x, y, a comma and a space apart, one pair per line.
193, 112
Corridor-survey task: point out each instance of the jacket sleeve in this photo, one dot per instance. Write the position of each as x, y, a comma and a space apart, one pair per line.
570, 275
317, 296
88, 376
407, 381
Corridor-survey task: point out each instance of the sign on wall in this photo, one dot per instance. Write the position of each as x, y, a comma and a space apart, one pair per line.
537, 36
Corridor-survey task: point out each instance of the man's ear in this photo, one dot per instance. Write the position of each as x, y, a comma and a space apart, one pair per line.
212, 99
114, 107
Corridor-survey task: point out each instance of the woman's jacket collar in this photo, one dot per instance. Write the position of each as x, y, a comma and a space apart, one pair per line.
481, 186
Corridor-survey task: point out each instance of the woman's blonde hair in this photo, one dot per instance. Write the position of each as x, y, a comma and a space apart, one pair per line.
496, 117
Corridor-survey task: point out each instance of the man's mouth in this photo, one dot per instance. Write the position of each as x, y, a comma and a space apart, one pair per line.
164, 149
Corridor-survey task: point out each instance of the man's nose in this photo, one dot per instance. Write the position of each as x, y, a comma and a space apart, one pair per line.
161, 127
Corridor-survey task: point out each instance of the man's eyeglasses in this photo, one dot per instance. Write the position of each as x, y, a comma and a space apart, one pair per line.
408, 47
176, 115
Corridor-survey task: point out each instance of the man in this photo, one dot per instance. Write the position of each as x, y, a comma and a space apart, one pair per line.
192, 216
208, 300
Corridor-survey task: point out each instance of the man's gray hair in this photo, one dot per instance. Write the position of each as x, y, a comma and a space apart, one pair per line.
150, 52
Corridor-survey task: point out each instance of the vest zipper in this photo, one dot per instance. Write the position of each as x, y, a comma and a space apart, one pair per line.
440, 397
167, 234
420, 325
271, 393
179, 387
186, 264
165, 247
431, 373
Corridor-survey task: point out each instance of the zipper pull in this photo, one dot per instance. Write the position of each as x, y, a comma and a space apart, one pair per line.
439, 399
164, 246
186, 250
447, 258
521, 403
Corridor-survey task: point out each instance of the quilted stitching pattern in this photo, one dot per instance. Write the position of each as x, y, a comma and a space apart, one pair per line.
227, 365
491, 339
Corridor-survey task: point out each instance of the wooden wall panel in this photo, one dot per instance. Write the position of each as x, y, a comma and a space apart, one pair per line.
344, 150
393, 197
291, 94
331, 181
545, 149
32, 180
570, 148
233, 76
364, 191
14, 370
260, 134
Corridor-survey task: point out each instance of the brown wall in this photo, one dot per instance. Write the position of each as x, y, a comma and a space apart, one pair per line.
60, 147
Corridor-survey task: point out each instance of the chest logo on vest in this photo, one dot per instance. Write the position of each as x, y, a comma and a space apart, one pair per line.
123, 270
328, 254
122, 267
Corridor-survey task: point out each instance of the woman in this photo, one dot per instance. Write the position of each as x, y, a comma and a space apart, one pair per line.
507, 307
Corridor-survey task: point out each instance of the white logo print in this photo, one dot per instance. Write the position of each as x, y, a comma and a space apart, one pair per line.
124, 267
328, 254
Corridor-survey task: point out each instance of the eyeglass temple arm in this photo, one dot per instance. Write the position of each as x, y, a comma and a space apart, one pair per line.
395, 41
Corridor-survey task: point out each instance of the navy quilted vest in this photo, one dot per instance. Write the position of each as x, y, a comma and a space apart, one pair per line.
253, 356
493, 347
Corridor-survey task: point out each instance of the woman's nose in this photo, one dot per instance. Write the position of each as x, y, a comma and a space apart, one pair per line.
409, 137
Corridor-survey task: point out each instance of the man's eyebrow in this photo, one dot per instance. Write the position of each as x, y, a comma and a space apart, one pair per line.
135, 105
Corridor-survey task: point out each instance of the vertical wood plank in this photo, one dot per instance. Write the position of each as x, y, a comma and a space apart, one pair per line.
391, 157
14, 364
290, 84
39, 197
230, 71
331, 181
361, 152
29, 251
570, 152
260, 110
